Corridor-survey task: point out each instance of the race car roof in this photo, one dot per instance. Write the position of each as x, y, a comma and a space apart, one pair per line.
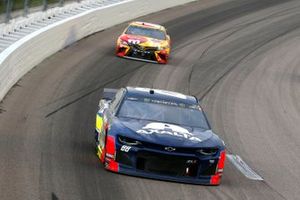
147, 25
138, 92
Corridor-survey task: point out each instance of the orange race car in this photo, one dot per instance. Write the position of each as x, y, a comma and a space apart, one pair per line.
144, 41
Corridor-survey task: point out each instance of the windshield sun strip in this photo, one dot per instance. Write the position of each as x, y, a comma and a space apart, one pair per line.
164, 102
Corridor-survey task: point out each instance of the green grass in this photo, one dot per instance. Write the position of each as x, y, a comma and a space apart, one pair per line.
2, 6
19, 4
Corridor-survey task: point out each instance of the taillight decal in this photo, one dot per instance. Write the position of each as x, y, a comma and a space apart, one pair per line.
110, 145
113, 166
216, 179
111, 149
222, 159
99, 123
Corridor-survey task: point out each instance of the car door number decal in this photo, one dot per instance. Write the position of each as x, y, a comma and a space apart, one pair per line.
125, 148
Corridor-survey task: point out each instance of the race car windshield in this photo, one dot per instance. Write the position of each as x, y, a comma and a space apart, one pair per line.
148, 32
163, 113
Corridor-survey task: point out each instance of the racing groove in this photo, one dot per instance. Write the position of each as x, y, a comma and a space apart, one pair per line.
240, 57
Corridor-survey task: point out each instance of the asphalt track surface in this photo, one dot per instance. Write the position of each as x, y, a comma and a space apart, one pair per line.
240, 57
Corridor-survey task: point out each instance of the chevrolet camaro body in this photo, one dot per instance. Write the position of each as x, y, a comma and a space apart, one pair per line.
157, 134
144, 41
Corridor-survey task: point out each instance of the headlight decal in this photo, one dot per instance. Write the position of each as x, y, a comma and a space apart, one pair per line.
99, 123
123, 42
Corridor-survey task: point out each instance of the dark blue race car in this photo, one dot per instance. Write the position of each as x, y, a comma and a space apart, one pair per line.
157, 134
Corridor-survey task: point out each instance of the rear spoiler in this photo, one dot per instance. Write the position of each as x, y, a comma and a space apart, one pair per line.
109, 93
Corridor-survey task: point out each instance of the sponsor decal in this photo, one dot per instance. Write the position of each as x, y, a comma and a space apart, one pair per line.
155, 40
191, 161
164, 92
132, 41
167, 129
170, 149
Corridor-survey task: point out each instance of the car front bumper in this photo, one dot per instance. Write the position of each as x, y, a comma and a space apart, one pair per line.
142, 53
170, 166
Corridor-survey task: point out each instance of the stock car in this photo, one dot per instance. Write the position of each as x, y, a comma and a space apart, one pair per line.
157, 134
144, 41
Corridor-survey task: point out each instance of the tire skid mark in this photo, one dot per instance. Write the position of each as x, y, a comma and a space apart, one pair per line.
93, 90
236, 28
274, 190
232, 10
75, 92
204, 53
214, 83
239, 27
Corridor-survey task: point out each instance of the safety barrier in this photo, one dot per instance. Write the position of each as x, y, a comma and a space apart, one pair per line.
19, 27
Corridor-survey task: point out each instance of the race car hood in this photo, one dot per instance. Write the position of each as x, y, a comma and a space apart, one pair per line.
166, 134
143, 41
